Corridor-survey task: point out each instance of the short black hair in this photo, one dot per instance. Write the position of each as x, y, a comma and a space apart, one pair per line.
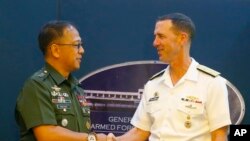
50, 32
180, 22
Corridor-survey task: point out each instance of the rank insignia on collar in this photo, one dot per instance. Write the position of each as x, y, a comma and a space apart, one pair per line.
155, 98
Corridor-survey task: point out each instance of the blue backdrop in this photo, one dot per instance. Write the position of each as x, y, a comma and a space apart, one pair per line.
116, 31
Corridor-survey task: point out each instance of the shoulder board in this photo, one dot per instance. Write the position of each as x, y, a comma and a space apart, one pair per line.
208, 70
41, 74
157, 74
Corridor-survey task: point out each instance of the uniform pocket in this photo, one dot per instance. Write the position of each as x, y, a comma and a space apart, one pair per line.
154, 110
66, 118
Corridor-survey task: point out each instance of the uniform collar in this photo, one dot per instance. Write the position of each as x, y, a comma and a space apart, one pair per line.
191, 74
58, 77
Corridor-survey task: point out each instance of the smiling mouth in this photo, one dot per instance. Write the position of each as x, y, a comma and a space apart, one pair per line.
79, 59
159, 52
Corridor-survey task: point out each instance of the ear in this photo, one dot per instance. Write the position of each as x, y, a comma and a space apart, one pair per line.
183, 38
55, 51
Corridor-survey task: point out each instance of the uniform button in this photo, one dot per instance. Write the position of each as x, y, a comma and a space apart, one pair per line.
64, 122
64, 109
45, 71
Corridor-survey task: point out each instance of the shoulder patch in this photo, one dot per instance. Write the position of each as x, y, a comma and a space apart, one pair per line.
208, 70
157, 75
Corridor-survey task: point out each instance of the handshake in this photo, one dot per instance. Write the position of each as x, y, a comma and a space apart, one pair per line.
103, 137
111, 137
134, 134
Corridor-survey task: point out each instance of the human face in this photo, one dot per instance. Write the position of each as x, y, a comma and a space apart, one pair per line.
70, 52
166, 41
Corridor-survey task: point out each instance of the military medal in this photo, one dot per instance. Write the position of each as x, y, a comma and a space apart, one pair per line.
188, 123
88, 125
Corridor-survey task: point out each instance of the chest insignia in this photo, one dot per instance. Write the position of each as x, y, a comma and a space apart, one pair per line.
155, 98
82, 100
191, 99
56, 90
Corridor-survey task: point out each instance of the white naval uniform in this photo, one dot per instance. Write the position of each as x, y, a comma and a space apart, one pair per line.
198, 97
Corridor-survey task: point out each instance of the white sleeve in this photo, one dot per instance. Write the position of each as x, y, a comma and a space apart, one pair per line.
217, 104
141, 119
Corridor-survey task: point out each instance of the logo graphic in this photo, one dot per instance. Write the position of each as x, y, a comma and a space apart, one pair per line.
114, 93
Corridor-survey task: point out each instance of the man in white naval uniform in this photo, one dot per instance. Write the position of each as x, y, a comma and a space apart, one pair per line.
186, 101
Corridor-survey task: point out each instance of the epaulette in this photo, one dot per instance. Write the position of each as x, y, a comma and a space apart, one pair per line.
157, 75
208, 70
42, 74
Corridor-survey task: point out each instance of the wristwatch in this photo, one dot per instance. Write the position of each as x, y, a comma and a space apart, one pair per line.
92, 136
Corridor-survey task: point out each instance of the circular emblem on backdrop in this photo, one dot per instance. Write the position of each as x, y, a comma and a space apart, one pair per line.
114, 92
119, 87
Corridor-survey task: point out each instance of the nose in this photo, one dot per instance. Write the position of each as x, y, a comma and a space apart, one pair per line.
156, 42
81, 50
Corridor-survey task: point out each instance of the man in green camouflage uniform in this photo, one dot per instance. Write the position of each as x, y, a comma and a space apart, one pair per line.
51, 105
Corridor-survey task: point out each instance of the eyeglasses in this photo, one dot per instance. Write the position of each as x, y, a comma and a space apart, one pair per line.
77, 46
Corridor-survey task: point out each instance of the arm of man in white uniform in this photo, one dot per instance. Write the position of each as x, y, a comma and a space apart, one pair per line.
220, 134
